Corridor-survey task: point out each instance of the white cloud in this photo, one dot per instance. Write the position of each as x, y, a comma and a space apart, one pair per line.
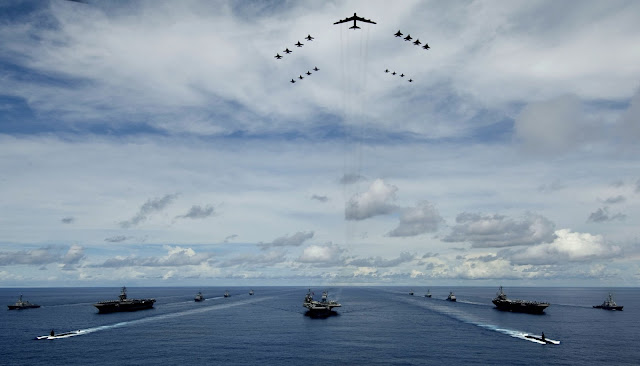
568, 247
378, 200
501, 231
424, 218
328, 254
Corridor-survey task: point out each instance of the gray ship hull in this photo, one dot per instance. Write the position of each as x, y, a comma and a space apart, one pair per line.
122, 306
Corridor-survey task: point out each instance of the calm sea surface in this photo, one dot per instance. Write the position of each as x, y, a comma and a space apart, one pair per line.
375, 326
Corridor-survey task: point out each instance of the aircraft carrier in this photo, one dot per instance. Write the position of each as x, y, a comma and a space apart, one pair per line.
521, 306
124, 304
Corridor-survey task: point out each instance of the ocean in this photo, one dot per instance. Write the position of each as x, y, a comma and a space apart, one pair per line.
374, 326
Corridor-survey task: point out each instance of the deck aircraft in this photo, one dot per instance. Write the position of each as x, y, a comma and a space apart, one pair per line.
299, 44
408, 37
354, 18
277, 56
309, 38
398, 33
287, 51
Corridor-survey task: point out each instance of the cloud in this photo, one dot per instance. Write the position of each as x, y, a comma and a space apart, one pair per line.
176, 257
552, 126
68, 220
376, 201
614, 200
552, 187
294, 240
567, 247
253, 261
378, 262
602, 215
116, 239
149, 207
197, 212
424, 218
320, 198
485, 231
322, 255
40, 256
230, 237
351, 178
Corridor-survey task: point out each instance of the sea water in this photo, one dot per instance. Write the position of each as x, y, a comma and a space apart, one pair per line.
374, 326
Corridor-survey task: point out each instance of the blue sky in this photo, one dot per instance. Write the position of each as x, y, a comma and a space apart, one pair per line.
161, 143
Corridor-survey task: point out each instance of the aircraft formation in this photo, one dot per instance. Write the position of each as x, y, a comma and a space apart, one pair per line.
408, 38
297, 44
395, 73
355, 18
293, 80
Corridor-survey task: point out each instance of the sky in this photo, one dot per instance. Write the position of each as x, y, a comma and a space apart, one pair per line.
161, 143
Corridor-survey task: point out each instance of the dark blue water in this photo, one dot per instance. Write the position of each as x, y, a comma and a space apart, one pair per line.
375, 326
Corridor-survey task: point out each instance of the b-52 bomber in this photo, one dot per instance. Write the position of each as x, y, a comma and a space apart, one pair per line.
355, 18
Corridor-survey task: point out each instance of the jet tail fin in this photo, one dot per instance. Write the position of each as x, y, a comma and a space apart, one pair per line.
354, 27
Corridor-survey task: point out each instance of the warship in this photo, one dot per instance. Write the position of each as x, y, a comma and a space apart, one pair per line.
22, 304
609, 304
124, 304
324, 307
199, 297
428, 294
451, 296
521, 306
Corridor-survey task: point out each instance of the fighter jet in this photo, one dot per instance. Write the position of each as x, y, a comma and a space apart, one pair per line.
387, 70
316, 69
354, 18
426, 46
393, 73
408, 37
299, 44
277, 56
287, 51
398, 34
309, 38
401, 75
308, 72
411, 80
300, 77
417, 42
293, 81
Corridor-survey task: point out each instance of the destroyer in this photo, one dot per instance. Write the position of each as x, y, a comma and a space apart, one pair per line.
124, 304
451, 296
324, 307
609, 304
22, 304
521, 306
199, 297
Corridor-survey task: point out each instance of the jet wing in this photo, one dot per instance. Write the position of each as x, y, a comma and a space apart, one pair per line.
354, 17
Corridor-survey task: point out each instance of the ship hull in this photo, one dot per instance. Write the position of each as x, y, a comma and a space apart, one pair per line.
118, 306
521, 307
21, 307
619, 308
